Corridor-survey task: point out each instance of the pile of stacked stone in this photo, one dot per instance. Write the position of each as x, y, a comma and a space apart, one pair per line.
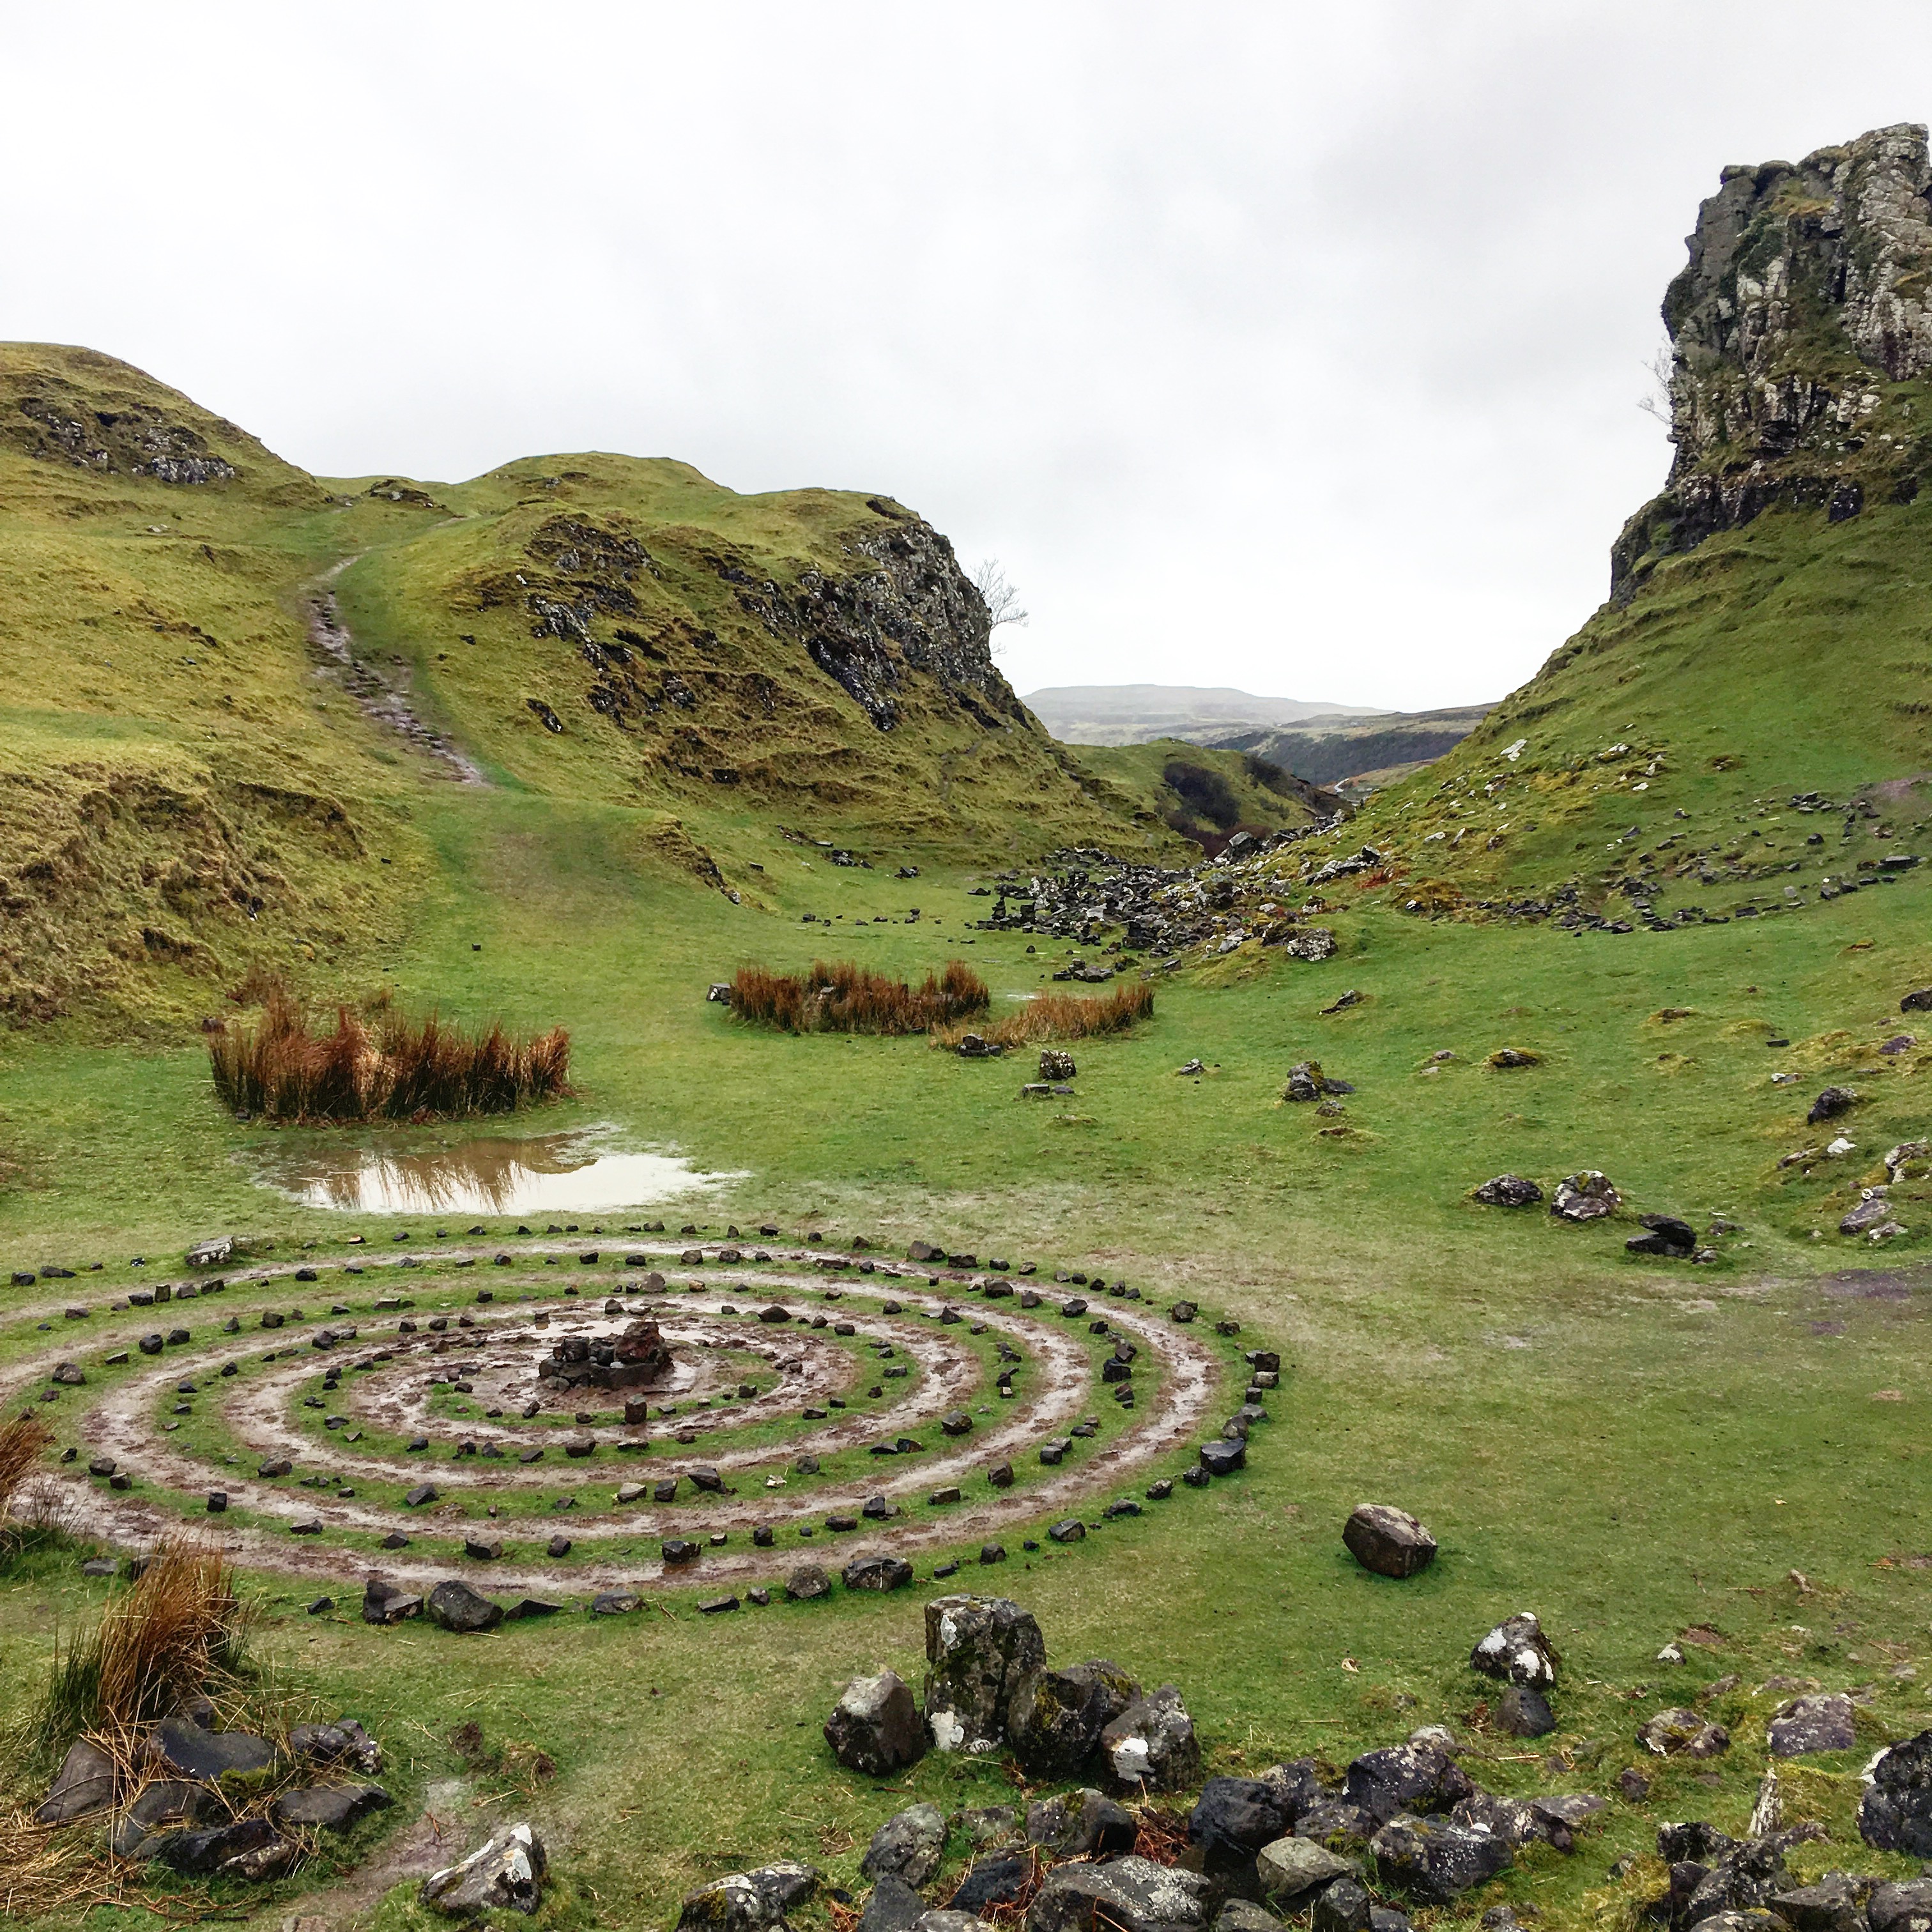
1294, 1842
638, 1358
201, 1800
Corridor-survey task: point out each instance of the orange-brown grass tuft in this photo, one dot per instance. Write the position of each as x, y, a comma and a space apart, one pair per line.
397, 1068
1050, 1016
21, 1442
846, 998
179, 1632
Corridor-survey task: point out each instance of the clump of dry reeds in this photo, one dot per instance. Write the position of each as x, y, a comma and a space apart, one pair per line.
181, 1629
1051, 1016
21, 1442
847, 998
285, 1066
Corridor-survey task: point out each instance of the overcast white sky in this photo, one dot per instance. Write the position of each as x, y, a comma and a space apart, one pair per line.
1290, 346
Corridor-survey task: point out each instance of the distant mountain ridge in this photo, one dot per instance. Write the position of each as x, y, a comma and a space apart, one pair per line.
1135, 714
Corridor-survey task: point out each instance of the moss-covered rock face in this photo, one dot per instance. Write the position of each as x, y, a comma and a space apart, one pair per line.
1797, 323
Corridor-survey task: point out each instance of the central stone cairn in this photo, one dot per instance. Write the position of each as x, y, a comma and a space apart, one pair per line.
641, 1357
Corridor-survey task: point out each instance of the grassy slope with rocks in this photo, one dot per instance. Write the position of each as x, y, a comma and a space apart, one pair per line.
1631, 1447
189, 785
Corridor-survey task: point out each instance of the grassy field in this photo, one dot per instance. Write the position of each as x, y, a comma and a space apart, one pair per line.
1633, 1448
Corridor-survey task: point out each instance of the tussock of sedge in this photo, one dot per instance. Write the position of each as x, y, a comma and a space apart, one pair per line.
846, 998
396, 1069
1051, 1016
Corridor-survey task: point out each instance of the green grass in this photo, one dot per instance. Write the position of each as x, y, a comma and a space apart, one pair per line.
1627, 1446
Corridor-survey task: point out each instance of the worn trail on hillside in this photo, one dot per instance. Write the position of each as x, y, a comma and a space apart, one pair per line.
383, 696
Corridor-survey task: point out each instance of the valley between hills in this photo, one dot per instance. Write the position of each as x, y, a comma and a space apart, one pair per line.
1536, 1142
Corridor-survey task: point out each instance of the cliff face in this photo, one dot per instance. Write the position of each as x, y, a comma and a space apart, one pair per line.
1796, 327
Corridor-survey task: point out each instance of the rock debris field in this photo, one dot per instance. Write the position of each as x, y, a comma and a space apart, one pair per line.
539, 1418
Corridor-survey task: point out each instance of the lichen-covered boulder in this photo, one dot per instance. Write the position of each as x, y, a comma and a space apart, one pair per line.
1130, 1894
909, 1846
505, 1872
747, 1900
1055, 1717
1408, 1777
1292, 1870
875, 1726
979, 1651
1435, 1859
1507, 1190
1807, 1724
1082, 1824
1151, 1745
1517, 1650
1895, 1814
1682, 1733
1584, 1196
1388, 1540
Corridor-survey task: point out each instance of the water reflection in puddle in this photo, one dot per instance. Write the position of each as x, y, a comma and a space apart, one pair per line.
549, 1174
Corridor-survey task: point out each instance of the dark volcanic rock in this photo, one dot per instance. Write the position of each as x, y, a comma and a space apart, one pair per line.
208, 1851
1388, 1540
1508, 1190
1436, 1859
908, 1846
875, 1726
1806, 1724
1523, 1711
1831, 1103
329, 1807
1130, 1894
1084, 1823
1151, 1746
1404, 1778
1055, 1717
454, 1605
86, 1783
195, 1753
1895, 1814
1234, 1817
979, 1651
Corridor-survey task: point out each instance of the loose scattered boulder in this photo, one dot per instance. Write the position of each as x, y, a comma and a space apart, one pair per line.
1435, 1859
876, 1572
1517, 1650
1807, 1724
505, 1872
384, 1602
875, 1727
1235, 1818
1292, 1870
1151, 1745
1508, 1190
980, 1651
1523, 1711
1682, 1733
453, 1606
1404, 1778
1832, 1103
1895, 1814
746, 1901
908, 1846
86, 1783
1055, 1718
1587, 1195
807, 1582
328, 1807
1388, 1540
1665, 1235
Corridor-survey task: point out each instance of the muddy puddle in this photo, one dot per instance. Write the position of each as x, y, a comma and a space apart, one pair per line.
545, 1174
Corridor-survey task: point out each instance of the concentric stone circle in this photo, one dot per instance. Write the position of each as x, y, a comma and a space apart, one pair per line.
387, 1413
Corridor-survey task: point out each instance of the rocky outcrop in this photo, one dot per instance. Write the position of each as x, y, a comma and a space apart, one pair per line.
1804, 299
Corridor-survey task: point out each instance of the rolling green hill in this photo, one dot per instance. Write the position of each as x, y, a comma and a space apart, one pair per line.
230, 688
